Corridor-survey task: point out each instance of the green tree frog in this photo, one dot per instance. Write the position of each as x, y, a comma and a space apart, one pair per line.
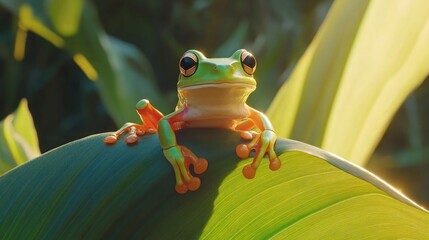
212, 94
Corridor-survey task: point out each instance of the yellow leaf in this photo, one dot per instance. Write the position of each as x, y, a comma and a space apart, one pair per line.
18, 138
367, 57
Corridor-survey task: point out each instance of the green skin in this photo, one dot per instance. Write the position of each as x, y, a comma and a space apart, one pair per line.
212, 94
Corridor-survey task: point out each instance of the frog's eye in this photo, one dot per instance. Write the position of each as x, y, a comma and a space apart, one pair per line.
248, 62
188, 64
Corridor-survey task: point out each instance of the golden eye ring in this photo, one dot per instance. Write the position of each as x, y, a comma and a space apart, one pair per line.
248, 62
188, 64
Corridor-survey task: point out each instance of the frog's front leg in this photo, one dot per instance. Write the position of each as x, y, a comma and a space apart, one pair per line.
149, 116
179, 156
262, 142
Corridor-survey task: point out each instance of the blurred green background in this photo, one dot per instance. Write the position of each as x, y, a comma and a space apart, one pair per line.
66, 105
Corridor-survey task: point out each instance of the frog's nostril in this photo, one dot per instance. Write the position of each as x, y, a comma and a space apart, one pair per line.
218, 68
222, 68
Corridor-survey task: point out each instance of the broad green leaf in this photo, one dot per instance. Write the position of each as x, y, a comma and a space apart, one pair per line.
367, 57
65, 15
86, 189
18, 138
120, 71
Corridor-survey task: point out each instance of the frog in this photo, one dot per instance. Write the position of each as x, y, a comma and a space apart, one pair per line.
212, 93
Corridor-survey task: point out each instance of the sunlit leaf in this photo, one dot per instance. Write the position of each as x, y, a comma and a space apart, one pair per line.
18, 138
365, 60
86, 189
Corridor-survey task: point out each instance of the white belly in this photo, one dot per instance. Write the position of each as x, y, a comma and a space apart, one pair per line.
215, 106
218, 117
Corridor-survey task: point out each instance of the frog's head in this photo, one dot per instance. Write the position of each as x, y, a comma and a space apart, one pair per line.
199, 72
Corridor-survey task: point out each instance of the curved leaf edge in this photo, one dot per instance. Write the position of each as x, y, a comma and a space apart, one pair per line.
287, 145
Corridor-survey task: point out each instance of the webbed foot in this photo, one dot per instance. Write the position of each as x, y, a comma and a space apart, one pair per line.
181, 158
262, 143
133, 131
149, 116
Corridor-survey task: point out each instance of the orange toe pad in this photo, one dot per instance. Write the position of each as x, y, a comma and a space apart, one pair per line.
249, 172
275, 164
194, 184
110, 139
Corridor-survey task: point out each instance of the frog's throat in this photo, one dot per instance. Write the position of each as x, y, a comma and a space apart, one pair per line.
218, 85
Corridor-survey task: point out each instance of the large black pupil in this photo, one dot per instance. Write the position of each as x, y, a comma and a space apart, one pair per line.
187, 63
249, 61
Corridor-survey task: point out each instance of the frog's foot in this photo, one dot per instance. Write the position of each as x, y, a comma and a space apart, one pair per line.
181, 158
134, 130
262, 143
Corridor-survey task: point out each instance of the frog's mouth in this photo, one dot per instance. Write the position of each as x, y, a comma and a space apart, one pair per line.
219, 85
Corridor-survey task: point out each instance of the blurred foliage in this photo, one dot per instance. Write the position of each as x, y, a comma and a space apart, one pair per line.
140, 61
18, 139
120, 72
65, 15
